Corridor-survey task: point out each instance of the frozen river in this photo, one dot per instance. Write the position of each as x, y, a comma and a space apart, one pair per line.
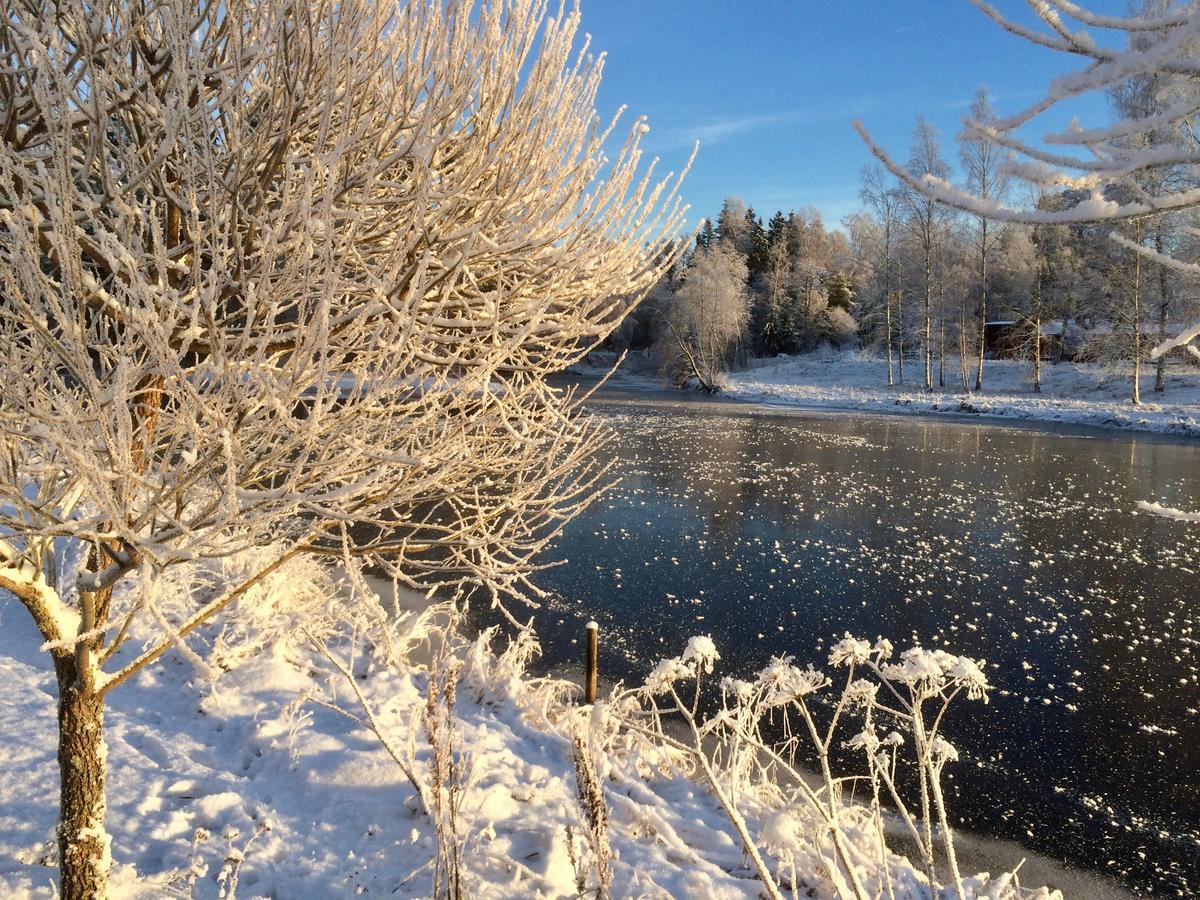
777, 532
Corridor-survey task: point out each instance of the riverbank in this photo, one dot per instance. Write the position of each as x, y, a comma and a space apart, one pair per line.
265, 776
779, 528
1072, 393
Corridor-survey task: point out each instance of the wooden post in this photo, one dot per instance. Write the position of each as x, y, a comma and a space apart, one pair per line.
589, 683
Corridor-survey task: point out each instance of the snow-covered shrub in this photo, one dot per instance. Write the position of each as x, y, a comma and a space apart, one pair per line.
782, 794
705, 321
589, 791
841, 326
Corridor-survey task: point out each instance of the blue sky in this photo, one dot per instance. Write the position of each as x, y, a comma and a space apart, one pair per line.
770, 87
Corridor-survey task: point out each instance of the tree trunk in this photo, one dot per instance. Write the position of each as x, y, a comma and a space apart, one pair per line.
962, 343
1136, 394
927, 321
83, 845
1038, 302
982, 303
941, 332
1037, 353
887, 297
1164, 310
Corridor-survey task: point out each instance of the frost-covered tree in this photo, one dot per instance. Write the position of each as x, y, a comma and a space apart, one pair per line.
795, 274
758, 247
733, 224
925, 217
775, 324
983, 161
272, 269
707, 319
1144, 97
884, 202
1054, 278
1159, 44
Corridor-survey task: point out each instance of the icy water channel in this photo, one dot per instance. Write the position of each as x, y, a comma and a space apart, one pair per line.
776, 532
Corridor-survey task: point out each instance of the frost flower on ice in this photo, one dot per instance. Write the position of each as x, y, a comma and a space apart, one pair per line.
850, 651
884, 648
701, 649
784, 682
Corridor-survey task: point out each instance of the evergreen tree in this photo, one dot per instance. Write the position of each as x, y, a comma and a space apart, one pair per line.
758, 255
731, 224
840, 290
776, 228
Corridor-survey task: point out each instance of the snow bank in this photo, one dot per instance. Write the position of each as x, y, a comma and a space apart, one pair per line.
268, 782
1072, 393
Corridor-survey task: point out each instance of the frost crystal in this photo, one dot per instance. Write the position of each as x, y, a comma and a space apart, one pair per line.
665, 674
943, 750
861, 691
850, 651
736, 688
784, 682
701, 649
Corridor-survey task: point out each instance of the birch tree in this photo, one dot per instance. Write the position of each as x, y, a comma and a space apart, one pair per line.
707, 320
1160, 43
1146, 96
925, 216
983, 161
884, 202
272, 269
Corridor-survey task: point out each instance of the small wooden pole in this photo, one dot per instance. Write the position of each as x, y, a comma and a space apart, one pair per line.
593, 642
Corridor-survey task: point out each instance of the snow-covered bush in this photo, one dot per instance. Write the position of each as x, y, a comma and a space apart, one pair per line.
765, 746
842, 327
706, 320
787, 786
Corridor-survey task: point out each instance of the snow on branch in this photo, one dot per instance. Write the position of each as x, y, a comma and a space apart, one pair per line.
1151, 151
1162, 259
1095, 208
23, 579
1120, 129
1120, 23
241, 311
1183, 339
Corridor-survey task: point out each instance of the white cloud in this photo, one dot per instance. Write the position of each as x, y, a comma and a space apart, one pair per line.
714, 132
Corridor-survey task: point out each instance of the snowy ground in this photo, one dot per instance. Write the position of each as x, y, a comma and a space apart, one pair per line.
248, 751
253, 775
1072, 393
